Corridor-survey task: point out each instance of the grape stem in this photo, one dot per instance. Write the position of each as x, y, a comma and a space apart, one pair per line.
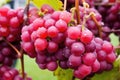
22, 64
87, 78
85, 5
98, 25
17, 51
26, 14
65, 4
77, 11
112, 31
117, 47
73, 78
83, 1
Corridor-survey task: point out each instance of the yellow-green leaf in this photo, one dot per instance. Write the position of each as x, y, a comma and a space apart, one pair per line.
55, 4
63, 74
2, 2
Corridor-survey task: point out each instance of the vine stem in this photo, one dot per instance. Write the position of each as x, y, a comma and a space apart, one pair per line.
17, 51
73, 78
85, 5
65, 4
98, 25
22, 63
77, 11
87, 78
83, 1
117, 47
113, 30
26, 14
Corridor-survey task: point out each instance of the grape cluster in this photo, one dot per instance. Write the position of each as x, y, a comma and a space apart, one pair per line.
10, 23
8, 73
52, 42
7, 54
43, 38
35, 13
90, 23
111, 16
89, 54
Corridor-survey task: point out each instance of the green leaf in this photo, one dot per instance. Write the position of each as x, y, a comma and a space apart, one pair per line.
56, 4
63, 74
108, 75
118, 51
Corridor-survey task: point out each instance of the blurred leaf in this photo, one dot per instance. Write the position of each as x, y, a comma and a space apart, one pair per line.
118, 51
63, 74
117, 62
7, 0
108, 75
2, 2
56, 4
114, 39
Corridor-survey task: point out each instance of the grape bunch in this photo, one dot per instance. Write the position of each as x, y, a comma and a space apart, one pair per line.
111, 17
8, 73
7, 54
91, 25
89, 54
11, 23
52, 42
35, 13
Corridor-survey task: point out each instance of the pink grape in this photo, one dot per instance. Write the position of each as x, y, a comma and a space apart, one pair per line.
52, 47
56, 15
96, 66
66, 16
86, 36
14, 22
40, 44
111, 57
74, 32
89, 59
75, 61
61, 25
107, 47
77, 48
52, 31
42, 32
52, 66
38, 23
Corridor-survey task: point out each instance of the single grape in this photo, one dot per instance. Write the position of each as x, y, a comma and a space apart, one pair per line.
95, 66
49, 22
74, 61
52, 31
52, 66
89, 59
52, 47
73, 32
40, 44
42, 32
61, 25
86, 36
77, 48
66, 16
